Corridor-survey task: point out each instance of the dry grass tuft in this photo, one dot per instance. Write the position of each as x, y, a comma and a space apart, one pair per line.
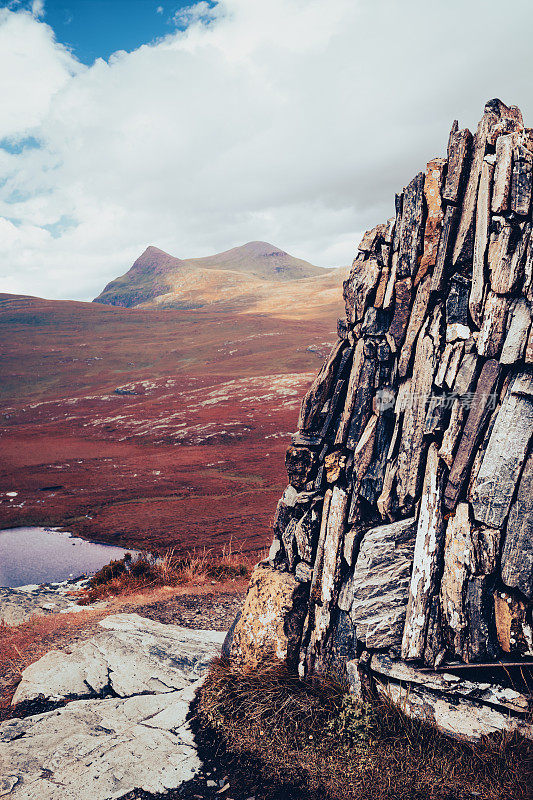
314, 736
135, 573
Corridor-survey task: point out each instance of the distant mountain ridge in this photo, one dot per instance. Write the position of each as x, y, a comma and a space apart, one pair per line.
155, 271
241, 279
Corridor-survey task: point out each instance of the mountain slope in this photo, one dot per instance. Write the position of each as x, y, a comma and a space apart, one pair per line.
261, 259
235, 280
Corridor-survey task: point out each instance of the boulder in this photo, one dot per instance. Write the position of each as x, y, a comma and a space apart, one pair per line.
517, 555
271, 618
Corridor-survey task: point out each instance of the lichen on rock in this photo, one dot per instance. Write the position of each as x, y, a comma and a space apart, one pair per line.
271, 619
421, 418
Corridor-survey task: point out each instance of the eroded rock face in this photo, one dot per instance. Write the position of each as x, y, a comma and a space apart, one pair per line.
132, 655
271, 619
100, 749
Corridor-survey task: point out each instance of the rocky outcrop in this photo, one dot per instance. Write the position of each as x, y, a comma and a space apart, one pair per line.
20, 604
132, 655
408, 514
137, 737
100, 749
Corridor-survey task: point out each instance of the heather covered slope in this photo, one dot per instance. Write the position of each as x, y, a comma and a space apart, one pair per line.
255, 278
152, 428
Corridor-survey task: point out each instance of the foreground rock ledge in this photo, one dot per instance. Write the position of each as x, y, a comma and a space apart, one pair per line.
408, 519
100, 749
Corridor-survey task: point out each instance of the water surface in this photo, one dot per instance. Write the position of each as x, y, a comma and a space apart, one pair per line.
44, 555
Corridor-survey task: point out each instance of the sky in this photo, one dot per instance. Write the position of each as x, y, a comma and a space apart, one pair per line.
198, 127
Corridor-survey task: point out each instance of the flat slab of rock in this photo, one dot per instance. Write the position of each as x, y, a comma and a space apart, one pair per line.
20, 604
376, 594
494, 486
99, 749
461, 708
132, 655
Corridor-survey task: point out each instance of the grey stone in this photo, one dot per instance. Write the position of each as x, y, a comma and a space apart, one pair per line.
493, 489
228, 641
20, 604
517, 555
304, 572
100, 749
457, 302
354, 678
344, 643
275, 554
303, 440
462, 708
380, 583
132, 655
289, 543
518, 325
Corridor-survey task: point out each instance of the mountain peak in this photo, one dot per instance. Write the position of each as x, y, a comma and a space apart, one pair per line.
156, 272
262, 248
153, 250
155, 258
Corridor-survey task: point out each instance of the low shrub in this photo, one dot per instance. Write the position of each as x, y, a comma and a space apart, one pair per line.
133, 573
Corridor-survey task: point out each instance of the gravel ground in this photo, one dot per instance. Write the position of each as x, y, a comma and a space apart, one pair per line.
213, 611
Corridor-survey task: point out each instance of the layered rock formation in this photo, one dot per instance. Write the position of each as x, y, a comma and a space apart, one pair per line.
408, 517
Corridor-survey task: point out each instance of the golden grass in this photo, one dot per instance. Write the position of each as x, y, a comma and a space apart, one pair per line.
146, 571
313, 736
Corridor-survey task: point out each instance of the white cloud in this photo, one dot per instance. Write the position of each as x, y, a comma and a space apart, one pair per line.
292, 121
33, 68
159, 9
198, 12
37, 8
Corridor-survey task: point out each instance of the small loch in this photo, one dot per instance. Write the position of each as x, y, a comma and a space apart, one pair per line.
45, 555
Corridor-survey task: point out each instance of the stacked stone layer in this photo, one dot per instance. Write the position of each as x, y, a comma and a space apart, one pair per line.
409, 513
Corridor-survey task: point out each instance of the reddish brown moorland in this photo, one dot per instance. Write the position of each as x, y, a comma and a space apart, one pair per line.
149, 428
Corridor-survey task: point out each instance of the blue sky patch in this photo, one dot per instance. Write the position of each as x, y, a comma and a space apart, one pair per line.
17, 146
94, 29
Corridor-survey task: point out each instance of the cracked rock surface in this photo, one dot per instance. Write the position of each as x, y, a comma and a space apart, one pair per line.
20, 604
132, 655
101, 749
